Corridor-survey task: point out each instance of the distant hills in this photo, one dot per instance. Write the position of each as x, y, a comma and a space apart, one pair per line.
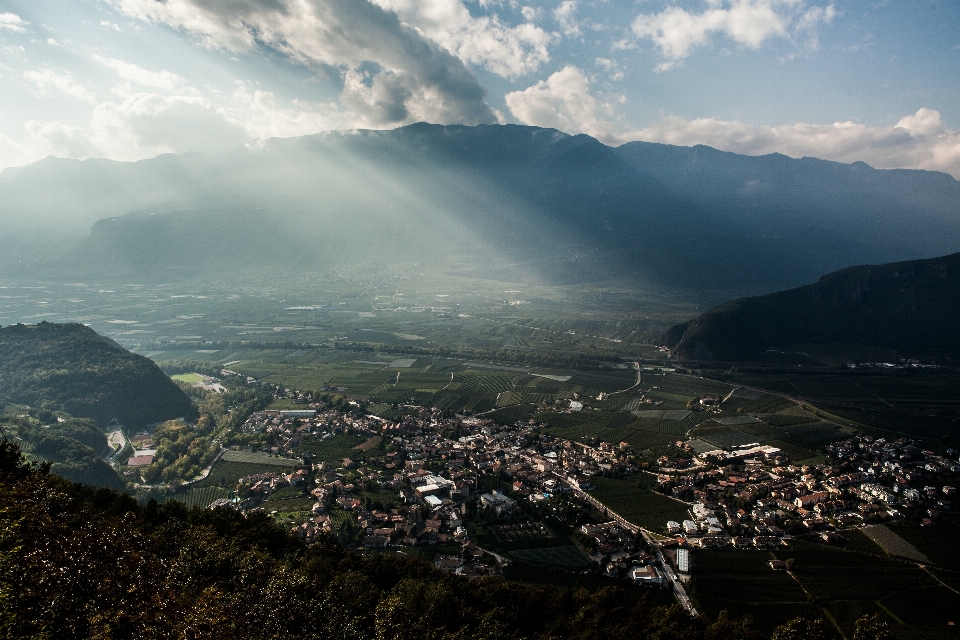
913, 307
71, 368
502, 201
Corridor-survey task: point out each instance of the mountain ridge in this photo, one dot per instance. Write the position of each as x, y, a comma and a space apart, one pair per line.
504, 201
910, 306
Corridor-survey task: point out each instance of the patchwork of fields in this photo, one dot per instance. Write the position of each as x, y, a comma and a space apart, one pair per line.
830, 583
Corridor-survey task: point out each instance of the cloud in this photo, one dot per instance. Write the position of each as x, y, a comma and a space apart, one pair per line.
565, 15
132, 73
611, 67
62, 140
486, 41
750, 23
142, 126
265, 117
47, 80
110, 25
13, 22
917, 141
148, 124
42, 140
14, 51
563, 101
392, 73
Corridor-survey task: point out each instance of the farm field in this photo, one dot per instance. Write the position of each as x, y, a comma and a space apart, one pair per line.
569, 556
832, 573
939, 543
189, 378
797, 432
893, 544
202, 497
937, 606
642, 506
225, 474
901, 403
843, 585
529, 573
259, 458
741, 582
333, 448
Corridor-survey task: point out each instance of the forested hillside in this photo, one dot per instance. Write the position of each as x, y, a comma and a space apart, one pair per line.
71, 368
908, 306
75, 446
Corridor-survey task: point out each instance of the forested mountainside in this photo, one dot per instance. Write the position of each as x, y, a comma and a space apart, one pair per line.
909, 306
71, 368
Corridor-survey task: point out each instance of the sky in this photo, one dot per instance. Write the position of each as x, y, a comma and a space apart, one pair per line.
850, 80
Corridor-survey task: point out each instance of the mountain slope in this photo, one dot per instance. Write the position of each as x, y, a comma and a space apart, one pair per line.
71, 368
910, 306
503, 201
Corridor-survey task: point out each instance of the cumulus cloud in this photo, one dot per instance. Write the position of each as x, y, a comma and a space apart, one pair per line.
917, 141
392, 73
13, 22
508, 51
46, 139
141, 126
563, 101
148, 124
58, 139
50, 80
676, 31
138, 75
106, 24
264, 116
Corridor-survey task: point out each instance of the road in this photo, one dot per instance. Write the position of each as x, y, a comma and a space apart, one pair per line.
117, 442
678, 590
209, 467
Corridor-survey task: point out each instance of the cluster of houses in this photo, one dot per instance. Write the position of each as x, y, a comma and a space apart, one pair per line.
435, 465
887, 473
285, 430
441, 470
758, 501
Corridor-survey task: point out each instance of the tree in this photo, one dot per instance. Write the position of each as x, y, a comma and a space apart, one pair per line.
801, 629
871, 627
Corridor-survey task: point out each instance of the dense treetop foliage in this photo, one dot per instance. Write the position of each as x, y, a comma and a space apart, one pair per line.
71, 368
73, 445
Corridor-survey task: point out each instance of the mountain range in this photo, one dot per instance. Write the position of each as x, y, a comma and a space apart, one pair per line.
507, 202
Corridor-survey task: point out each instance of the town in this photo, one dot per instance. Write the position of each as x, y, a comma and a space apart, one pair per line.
479, 494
